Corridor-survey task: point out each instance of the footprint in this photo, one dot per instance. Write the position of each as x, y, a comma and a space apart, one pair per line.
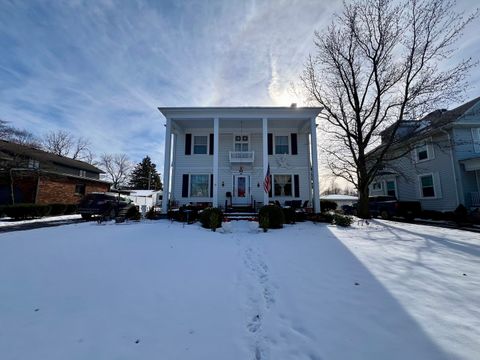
254, 325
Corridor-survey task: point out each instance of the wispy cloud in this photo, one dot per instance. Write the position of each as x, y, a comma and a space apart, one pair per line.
101, 68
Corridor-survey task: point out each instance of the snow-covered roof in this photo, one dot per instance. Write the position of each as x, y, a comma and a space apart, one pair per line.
339, 197
145, 193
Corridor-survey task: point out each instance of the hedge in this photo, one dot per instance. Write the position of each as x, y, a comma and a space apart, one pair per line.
211, 218
271, 215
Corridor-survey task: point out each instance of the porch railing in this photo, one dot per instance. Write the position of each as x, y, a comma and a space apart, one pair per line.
242, 156
475, 199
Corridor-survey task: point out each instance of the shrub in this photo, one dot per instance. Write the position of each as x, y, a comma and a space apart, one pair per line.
71, 209
263, 223
289, 215
342, 220
211, 218
151, 214
57, 209
461, 214
274, 214
26, 211
327, 205
133, 213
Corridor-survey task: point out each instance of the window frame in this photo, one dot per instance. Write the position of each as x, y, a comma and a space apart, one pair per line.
292, 186
248, 142
421, 187
394, 181
206, 144
190, 183
419, 147
476, 142
82, 193
82, 173
379, 183
289, 146
33, 164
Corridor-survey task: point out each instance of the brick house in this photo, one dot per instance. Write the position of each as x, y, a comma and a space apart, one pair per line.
29, 175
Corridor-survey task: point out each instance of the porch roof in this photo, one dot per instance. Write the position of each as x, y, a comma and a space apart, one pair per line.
471, 164
248, 112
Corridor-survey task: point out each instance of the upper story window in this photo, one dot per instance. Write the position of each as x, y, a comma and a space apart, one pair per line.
33, 164
476, 139
83, 173
281, 144
423, 152
200, 144
241, 142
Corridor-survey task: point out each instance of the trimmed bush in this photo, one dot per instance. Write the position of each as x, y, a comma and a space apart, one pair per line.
342, 220
133, 213
289, 215
211, 218
327, 205
71, 209
461, 214
57, 209
274, 214
26, 211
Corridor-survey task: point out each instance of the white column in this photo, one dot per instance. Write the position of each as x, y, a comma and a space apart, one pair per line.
265, 156
215, 160
316, 186
166, 166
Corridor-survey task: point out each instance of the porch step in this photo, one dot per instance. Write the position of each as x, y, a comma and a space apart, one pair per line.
241, 216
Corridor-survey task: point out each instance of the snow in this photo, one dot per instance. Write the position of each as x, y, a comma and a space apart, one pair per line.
173, 291
7, 222
334, 197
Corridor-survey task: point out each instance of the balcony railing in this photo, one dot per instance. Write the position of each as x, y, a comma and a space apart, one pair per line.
242, 156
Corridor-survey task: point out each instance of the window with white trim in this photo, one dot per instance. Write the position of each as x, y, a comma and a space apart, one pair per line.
391, 188
241, 142
33, 164
423, 152
199, 185
283, 185
427, 186
281, 144
83, 173
377, 185
200, 144
476, 139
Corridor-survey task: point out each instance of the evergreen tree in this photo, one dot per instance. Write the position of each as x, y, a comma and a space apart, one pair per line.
145, 176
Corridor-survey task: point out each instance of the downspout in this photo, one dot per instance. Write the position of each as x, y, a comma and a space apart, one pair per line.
38, 186
453, 165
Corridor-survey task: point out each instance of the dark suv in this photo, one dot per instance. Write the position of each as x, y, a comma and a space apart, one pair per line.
104, 204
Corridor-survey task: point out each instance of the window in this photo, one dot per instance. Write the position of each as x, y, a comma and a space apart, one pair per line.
199, 185
282, 185
427, 186
391, 191
200, 144
83, 173
33, 164
476, 139
377, 185
241, 142
80, 189
281, 144
423, 152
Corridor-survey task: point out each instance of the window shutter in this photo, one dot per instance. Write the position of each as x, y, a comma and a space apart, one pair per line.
185, 185
270, 144
211, 185
188, 144
293, 138
296, 183
476, 139
210, 150
437, 185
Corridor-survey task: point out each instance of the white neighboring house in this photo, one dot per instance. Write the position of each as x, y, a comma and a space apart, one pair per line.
341, 199
213, 152
147, 198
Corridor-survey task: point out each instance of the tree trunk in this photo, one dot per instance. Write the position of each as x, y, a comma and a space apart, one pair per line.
362, 206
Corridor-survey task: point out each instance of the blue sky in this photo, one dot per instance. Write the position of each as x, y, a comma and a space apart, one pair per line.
100, 68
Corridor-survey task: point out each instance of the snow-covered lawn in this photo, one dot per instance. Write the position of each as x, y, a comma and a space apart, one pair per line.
8, 222
160, 290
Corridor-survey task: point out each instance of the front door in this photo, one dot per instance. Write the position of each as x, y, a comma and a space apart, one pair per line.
241, 189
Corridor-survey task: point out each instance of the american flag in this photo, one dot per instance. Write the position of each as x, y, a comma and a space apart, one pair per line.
267, 185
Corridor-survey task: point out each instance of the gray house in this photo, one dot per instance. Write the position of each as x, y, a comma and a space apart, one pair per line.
436, 160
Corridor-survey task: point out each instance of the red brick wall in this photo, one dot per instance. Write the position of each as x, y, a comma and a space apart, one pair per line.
62, 190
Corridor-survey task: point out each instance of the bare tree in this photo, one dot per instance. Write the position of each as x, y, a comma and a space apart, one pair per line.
379, 63
58, 142
117, 167
19, 136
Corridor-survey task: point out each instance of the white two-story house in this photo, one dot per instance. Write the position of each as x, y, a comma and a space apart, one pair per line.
222, 155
